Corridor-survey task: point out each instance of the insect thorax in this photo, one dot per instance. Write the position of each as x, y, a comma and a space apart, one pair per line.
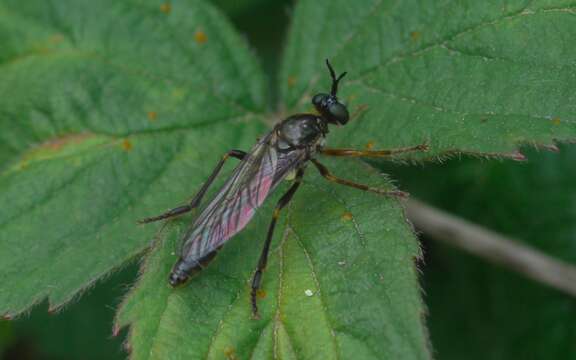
301, 131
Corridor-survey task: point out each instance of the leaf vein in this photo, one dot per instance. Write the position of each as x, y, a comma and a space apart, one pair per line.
320, 296
448, 38
452, 111
277, 316
220, 327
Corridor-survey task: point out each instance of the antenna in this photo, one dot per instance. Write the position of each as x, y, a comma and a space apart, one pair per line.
335, 79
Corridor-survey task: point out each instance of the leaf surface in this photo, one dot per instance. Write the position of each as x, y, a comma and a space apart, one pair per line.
462, 76
119, 110
104, 122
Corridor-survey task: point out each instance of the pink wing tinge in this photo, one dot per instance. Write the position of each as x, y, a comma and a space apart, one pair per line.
235, 204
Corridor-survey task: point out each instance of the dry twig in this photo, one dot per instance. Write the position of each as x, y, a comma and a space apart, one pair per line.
493, 247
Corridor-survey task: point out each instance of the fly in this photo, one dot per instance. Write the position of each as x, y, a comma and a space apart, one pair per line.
282, 153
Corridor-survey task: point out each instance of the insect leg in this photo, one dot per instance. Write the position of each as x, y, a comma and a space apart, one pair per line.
329, 176
239, 154
257, 279
373, 153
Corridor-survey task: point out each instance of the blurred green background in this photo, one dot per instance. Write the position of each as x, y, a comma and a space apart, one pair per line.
476, 310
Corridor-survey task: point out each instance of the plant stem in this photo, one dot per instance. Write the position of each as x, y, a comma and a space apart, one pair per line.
493, 247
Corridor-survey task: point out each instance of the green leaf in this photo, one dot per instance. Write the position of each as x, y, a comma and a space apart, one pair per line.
111, 113
463, 76
119, 111
340, 283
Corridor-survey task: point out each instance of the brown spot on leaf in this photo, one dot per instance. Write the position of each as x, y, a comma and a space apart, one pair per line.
261, 294
152, 115
369, 145
556, 121
127, 145
200, 37
59, 143
166, 8
291, 81
347, 216
415, 35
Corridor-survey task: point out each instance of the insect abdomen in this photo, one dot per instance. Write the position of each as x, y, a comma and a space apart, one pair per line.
183, 270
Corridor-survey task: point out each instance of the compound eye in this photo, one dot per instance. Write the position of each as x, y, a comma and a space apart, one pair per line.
339, 113
318, 99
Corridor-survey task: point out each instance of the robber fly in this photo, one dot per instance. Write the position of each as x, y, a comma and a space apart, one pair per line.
285, 150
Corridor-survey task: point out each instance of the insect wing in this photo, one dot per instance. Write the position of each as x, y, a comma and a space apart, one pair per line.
235, 204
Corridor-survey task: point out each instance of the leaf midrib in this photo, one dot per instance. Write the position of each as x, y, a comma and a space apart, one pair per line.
446, 110
325, 313
115, 139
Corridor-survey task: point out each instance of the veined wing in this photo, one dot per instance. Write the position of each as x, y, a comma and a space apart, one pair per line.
235, 204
